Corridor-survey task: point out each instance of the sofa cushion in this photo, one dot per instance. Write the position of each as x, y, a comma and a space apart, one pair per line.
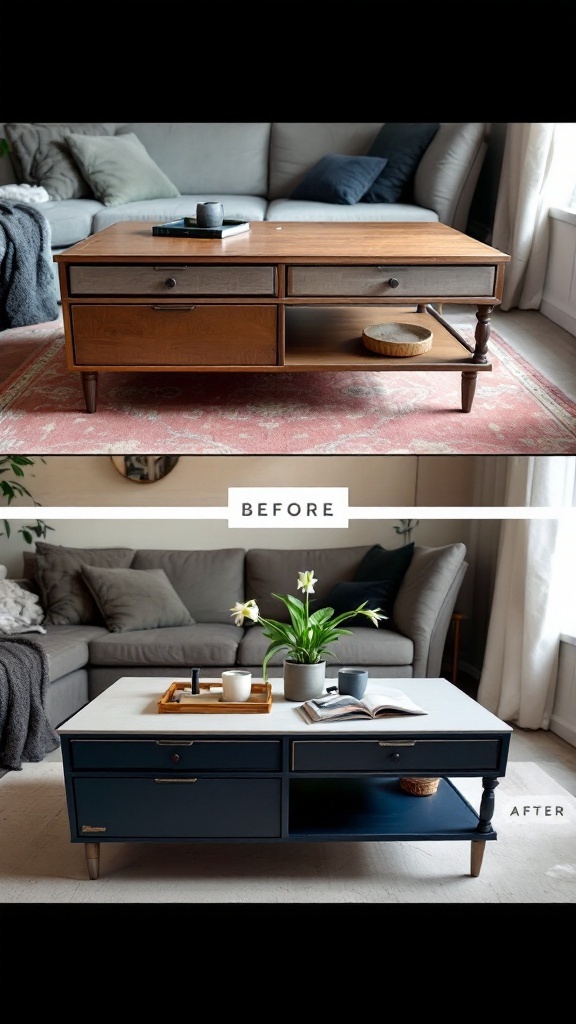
71, 220
41, 156
208, 582
63, 592
177, 646
295, 147
67, 647
135, 598
338, 178
118, 168
384, 213
155, 211
209, 157
275, 570
387, 570
403, 146
366, 646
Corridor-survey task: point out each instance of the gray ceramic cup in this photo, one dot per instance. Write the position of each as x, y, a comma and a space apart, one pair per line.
352, 682
209, 215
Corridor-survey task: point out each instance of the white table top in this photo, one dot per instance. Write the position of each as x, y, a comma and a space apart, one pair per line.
130, 705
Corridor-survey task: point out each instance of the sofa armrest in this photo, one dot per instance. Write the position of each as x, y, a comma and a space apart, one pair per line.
425, 602
449, 169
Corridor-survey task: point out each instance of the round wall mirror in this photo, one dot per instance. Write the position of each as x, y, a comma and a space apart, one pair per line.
144, 469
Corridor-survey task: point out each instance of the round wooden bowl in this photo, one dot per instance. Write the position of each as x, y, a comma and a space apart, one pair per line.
397, 339
419, 787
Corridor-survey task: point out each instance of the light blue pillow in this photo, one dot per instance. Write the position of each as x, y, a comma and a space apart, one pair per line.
119, 169
338, 178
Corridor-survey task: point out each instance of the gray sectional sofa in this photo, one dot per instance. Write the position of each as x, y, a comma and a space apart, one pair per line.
112, 612
277, 171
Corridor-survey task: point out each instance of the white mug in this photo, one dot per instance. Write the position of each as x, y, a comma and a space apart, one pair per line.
236, 685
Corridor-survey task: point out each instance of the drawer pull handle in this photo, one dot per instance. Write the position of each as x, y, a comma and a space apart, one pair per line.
174, 743
172, 309
170, 282
175, 780
393, 282
396, 743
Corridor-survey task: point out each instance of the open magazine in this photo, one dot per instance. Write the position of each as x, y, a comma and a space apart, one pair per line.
372, 705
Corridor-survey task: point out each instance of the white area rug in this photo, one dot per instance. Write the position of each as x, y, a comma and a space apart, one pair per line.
533, 860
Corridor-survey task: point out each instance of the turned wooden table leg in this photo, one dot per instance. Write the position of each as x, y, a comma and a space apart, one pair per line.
482, 334
485, 816
92, 851
469, 378
90, 386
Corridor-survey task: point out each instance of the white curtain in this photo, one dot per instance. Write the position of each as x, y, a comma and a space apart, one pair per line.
534, 577
538, 172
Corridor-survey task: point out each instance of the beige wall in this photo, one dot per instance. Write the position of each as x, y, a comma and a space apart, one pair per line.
209, 533
87, 480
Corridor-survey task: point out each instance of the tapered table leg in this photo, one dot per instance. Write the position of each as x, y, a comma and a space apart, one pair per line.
469, 378
476, 857
90, 386
92, 851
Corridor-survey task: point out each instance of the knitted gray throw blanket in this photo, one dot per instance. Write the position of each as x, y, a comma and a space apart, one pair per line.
27, 293
25, 732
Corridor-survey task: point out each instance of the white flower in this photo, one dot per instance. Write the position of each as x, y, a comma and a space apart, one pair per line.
306, 581
374, 615
248, 610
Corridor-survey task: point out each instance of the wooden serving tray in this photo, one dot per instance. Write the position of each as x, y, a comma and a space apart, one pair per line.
209, 703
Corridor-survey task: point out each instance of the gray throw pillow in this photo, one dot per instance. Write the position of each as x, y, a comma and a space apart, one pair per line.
64, 595
119, 169
136, 598
41, 157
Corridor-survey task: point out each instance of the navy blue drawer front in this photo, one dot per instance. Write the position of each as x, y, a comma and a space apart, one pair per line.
392, 756
169, 808
180, 755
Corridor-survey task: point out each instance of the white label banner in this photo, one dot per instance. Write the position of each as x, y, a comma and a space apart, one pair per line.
293, 507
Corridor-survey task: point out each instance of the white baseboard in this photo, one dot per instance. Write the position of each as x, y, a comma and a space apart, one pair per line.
563, 728
563, 317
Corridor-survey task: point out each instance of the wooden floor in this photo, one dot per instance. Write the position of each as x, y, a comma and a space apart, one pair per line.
547, 347
554, 755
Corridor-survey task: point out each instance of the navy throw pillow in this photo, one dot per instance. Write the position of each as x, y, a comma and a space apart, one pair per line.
379, 563
337, 178
403, 146
345, 597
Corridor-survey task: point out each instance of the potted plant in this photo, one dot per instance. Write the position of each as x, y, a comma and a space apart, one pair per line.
306, 638
11, 488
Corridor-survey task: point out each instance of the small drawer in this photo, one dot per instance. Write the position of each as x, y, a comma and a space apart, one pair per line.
172, 280
395, 756
177, 754
170, 808
392, 281
174, 336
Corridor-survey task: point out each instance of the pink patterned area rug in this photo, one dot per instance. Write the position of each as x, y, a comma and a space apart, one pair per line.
515, 411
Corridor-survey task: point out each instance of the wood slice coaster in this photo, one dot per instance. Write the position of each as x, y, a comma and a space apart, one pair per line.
397, 339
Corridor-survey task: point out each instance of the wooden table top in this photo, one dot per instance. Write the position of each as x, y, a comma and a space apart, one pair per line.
419, 243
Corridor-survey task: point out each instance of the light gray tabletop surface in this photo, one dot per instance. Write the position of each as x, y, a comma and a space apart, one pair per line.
130, 705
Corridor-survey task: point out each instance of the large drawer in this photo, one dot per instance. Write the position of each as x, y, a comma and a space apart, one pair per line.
396, 756
172, 336
171, 808
166, 281
180, 755
392, 281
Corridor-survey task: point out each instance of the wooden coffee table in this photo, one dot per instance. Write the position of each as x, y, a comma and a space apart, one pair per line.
279, 298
